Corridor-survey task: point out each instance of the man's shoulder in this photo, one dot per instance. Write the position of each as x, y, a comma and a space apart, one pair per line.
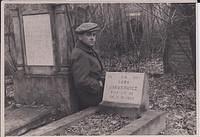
76, 52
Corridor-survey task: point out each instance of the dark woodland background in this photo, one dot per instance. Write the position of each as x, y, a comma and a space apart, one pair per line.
131, 32
159, 39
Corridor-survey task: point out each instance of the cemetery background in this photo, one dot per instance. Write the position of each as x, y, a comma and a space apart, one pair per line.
158, 39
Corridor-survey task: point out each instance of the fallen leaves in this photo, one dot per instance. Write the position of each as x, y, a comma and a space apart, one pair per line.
125, 64
174, 93
97, 124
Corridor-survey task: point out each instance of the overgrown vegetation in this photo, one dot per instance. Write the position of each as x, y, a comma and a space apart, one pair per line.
173, 93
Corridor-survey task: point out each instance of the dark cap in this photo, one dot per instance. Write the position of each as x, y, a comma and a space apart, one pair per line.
87, 27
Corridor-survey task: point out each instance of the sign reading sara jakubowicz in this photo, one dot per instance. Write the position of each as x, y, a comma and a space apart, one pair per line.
124, 87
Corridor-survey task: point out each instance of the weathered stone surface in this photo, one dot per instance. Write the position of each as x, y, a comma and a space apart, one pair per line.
38, 38
125, 93
20, 120
123, 87
177, 58
55, 91
57, 126
125, 110
151, 123
43, 42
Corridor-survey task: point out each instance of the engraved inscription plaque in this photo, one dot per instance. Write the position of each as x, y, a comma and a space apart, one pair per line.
124, 87
38, 39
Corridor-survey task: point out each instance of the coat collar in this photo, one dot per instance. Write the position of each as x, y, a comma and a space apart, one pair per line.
89, 50
84, 47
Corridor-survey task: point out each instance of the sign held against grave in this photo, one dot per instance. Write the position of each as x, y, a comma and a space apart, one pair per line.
126, 90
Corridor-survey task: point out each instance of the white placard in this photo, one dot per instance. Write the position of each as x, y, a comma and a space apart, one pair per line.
38, 39
124, 87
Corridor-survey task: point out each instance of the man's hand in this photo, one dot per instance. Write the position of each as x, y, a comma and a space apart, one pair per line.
101, 84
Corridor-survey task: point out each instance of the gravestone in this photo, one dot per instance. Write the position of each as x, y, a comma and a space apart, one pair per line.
126, 93
42, 57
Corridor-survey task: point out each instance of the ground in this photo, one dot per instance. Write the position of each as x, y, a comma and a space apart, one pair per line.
173, 93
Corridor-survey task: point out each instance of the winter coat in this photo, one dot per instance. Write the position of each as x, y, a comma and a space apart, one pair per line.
87, 71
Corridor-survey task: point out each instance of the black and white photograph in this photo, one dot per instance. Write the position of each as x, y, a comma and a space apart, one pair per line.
96, 69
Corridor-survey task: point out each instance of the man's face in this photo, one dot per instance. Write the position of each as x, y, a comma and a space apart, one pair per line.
88, 38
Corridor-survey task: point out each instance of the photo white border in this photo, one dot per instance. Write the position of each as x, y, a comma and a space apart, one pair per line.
2, 70
100, 1
197, 66
104, 1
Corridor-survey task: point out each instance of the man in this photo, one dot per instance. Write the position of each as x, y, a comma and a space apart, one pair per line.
87, 69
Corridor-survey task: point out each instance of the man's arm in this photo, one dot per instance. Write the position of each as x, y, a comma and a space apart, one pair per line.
82, 79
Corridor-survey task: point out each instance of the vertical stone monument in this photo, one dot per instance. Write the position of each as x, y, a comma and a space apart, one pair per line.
42, 81
42, 38
126, 93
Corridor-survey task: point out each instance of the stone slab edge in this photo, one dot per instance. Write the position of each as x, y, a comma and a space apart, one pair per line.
35, 122
56, 126
151, 123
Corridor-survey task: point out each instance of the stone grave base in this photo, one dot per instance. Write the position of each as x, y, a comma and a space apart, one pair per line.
150, 123
126, 110
20, 120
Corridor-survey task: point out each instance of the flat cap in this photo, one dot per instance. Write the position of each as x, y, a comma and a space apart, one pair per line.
87, 27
